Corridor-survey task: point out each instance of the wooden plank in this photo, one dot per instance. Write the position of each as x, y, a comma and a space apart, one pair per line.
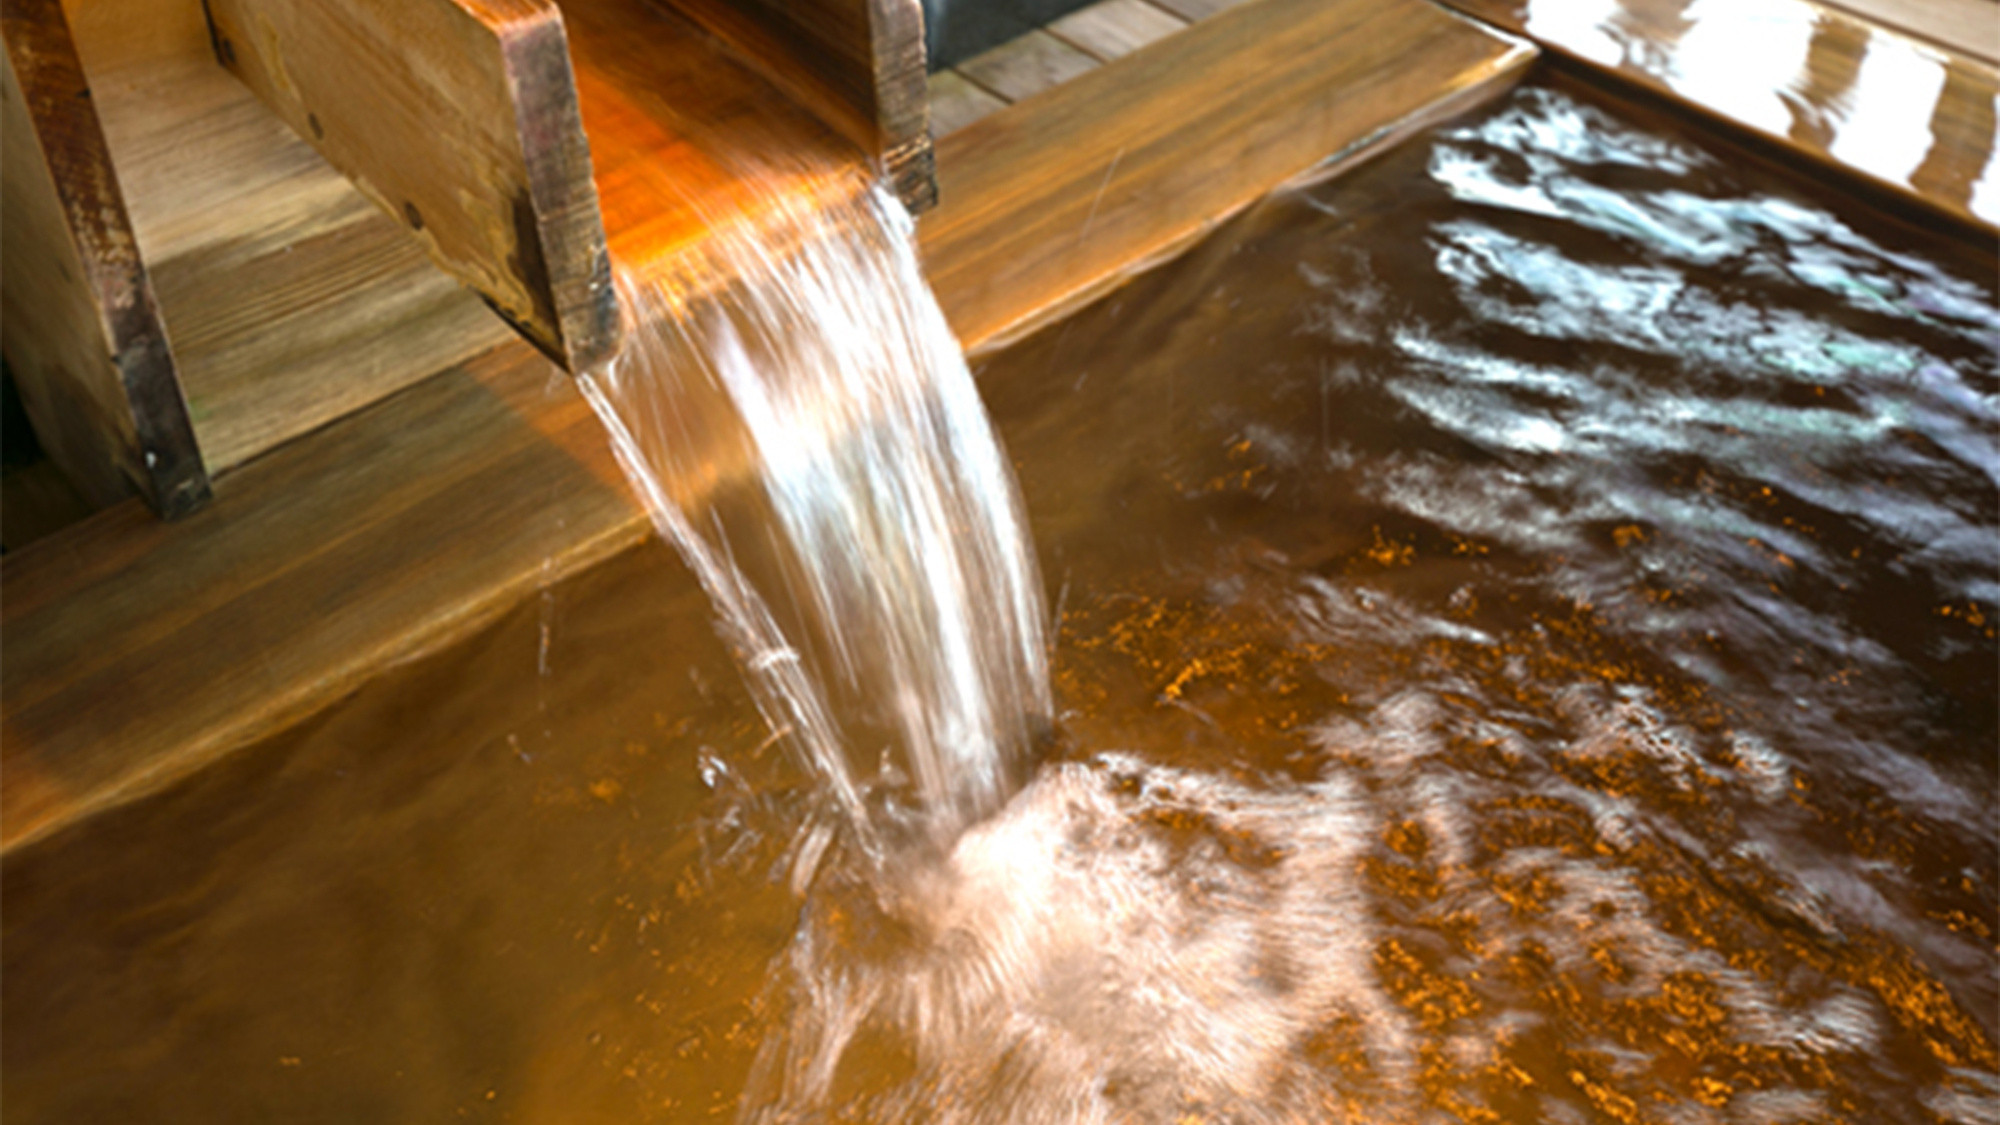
1024, 67
1110, 29
957, 101
84, 333
1970, 27
459, 117
670, 119
1914, 118
857, 64
137, 652
1197, 10
290, 299
1051, 201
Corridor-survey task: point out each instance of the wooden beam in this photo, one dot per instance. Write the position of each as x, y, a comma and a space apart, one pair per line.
83, 331
1050, 202
460, 118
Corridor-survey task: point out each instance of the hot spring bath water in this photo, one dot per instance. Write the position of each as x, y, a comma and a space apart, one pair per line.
1510, 638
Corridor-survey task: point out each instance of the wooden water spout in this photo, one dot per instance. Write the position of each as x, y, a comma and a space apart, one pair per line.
461, 119
395, 466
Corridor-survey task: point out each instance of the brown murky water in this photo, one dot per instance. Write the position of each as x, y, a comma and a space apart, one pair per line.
1526, 652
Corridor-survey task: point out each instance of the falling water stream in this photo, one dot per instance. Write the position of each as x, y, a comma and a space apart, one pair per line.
798, 419
1520, 648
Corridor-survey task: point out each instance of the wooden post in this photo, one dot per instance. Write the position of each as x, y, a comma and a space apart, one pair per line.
83, 333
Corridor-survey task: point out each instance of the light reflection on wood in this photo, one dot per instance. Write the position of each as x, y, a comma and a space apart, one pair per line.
1855, 100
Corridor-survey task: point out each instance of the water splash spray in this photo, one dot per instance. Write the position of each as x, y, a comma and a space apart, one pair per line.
802, 426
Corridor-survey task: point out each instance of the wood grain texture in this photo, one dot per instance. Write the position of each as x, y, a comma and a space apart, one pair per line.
137, 652
289, 298
1917, 119
957, 101
670, 113
1050, 201
84, 332
1109, 29
1193, 10
857, 64
459, 117
1970, 27
1026, 66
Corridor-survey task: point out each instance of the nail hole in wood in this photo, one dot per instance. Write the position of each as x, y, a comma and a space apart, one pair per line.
312, 119
415, 216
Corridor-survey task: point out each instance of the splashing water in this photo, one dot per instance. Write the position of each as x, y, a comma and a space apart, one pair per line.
1540, 589
803, 428
1510, 880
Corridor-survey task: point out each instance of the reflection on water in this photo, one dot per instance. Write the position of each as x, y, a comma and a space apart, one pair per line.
1890, 106
1527, 640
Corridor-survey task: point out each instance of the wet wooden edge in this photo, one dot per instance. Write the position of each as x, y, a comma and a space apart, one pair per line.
153, 444
1968, 26
1053, 200
857, 64
137, 653
1961, 122
508, 207
569, 228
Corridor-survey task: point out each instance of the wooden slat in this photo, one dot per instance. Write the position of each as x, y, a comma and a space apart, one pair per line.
459, 117
1916, 118
857, 64
1047, 203
83, 329
957, 101
1026, 66
1109, 29
1970, 27
1194, 10
289, 298
138, 652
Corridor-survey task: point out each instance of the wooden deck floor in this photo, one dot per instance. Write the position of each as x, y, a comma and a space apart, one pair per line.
137, 652
1073, 45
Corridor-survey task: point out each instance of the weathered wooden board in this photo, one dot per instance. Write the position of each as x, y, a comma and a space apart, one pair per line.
1110, 29
858, 64
1049, 202
957, 101
138, 652
1023, 67
1198, 9
289, 298
1835, 88
459, 117
1970, 27
83, 331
